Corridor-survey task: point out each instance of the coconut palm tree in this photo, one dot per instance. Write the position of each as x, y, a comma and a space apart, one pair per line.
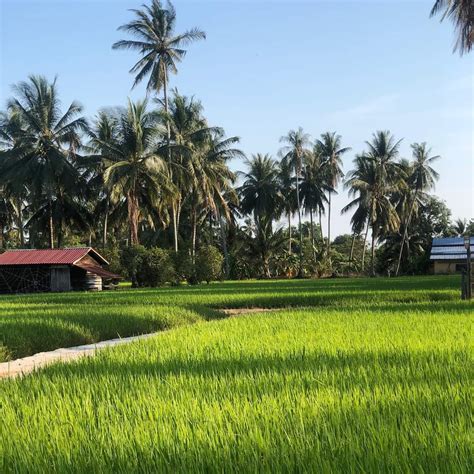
293, 153
161, 51
135, 171
422, 178
288, 190
461, 13
314, 188
260, 192
49, 140
460, 227
212, 182
375, 178
330, 148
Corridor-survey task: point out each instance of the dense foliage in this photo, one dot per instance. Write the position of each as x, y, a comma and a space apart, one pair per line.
156, 173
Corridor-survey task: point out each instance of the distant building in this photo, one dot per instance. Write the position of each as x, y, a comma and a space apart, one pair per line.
25, 271
449, 255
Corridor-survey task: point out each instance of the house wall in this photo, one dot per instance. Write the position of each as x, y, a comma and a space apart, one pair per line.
60, 278
449, 267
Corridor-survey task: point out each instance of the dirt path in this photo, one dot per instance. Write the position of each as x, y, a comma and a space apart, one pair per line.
19, 367
26, 365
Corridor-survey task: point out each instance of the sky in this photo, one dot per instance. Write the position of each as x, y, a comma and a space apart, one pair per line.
270, 66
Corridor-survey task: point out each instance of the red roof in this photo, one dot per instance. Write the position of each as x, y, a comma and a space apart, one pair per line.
99, 271
49, 256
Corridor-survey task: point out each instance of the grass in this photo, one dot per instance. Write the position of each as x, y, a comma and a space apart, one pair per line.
42, 322
370, 376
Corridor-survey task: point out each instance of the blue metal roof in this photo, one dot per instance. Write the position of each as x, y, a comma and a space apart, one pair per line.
460, 258
450, 248
448, 241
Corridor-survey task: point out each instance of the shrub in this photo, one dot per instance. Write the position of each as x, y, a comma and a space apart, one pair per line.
156, 268
183, 266
131, 260
208, 266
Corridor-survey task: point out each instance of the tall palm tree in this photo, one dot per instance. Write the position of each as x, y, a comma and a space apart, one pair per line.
373, 181
330, 148
135, 169
259, 192
288, 190
293, 153
314, 187
461, 13
161, 50
422, 178
104, 131
44, 159
212, 183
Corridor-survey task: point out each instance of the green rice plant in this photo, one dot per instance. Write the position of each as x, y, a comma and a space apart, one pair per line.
311, 390
40, 322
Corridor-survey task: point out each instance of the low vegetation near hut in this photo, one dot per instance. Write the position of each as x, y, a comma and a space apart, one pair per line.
372, 373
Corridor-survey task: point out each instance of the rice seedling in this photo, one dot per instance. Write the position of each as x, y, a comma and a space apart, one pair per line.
357, 384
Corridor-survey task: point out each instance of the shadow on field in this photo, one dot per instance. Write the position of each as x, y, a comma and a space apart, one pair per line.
361, 368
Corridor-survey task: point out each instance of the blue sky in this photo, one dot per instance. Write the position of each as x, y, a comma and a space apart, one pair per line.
267, 67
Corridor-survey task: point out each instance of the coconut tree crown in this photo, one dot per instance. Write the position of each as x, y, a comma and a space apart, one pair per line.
160, 49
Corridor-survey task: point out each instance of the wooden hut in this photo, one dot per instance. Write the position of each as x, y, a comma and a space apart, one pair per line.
25, 271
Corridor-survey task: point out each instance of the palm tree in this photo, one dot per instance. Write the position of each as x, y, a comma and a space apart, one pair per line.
135, 170
422, 178
44, 158
288, 190
104, 131
373, 181
212, 183
293, 154
161, 50
460, 227
314, 187
331, 150
259, 192
461, 13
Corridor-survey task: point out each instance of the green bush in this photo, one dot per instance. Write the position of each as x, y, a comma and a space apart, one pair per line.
156, 268
208, 266
183, 266
131, 261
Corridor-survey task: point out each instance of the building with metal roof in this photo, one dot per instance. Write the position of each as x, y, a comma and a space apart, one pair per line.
449, 255
24, 271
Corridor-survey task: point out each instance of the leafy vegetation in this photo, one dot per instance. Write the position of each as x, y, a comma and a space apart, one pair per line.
156, 173
40, 322
375, 375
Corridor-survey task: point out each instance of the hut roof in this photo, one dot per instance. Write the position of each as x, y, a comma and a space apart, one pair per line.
49, 256
449, 248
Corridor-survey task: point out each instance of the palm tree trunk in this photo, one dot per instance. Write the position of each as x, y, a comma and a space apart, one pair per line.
312, 233
51, 225
351, 255
321, 225
194, 232
224, 247
300, 269
168, 138
133, 217
365, 246
20, 223
289, 232
329, 223
106, 222
372, 265
405, 235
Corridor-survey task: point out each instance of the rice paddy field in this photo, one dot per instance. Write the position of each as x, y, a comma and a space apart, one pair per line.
349, 375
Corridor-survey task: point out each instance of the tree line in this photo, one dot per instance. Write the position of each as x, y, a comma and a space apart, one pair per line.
155, 172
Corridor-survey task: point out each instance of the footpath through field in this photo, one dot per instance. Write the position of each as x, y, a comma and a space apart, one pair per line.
19, 367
